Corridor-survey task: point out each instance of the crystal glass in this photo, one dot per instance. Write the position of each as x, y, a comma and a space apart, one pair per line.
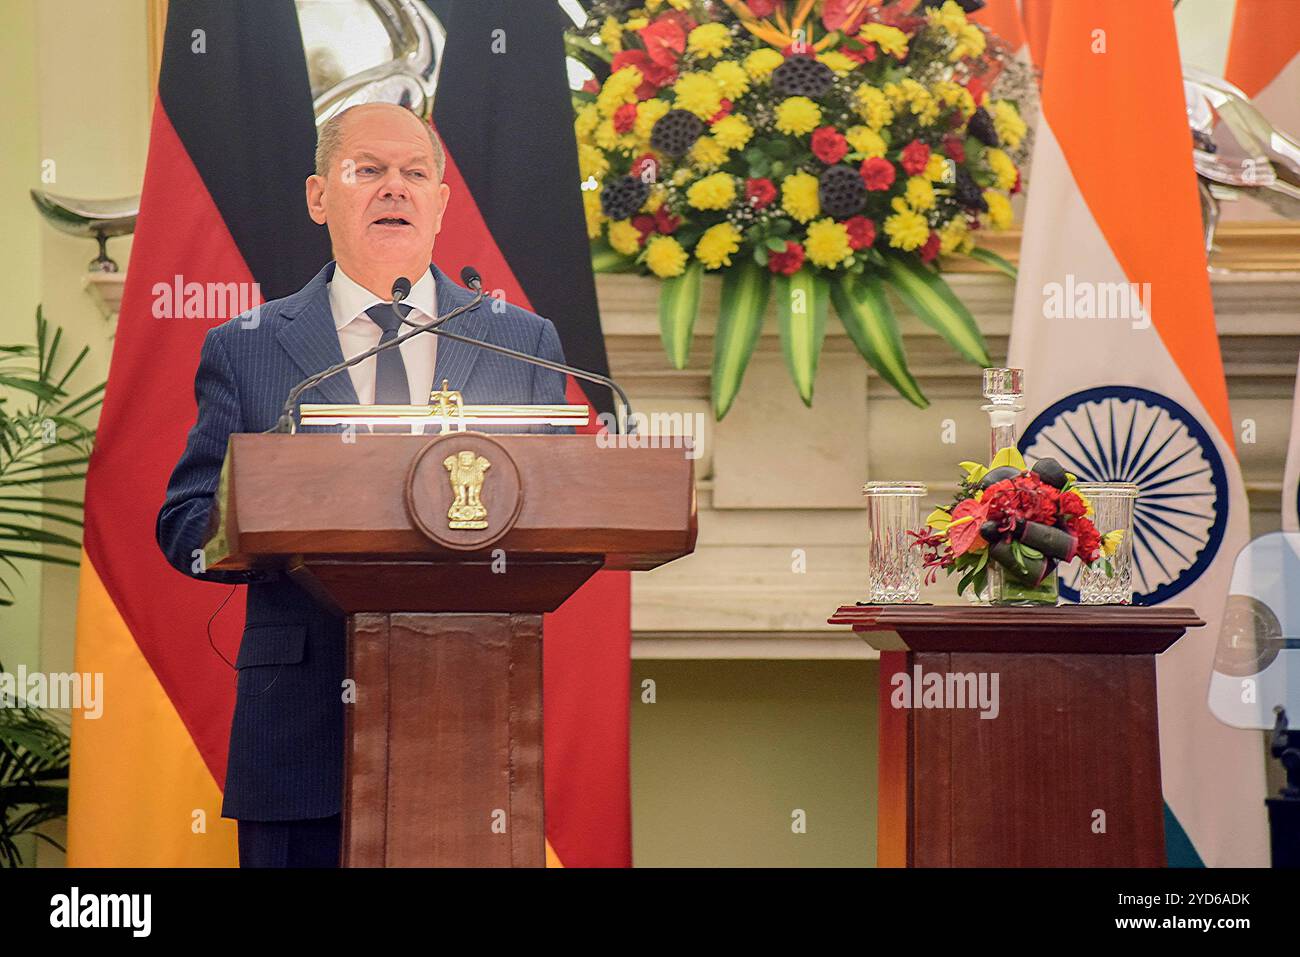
893, 565
1112, 504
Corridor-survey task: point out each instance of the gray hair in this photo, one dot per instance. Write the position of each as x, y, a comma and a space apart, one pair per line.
330, 135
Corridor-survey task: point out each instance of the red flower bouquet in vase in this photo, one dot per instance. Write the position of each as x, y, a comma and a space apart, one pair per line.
1009, 528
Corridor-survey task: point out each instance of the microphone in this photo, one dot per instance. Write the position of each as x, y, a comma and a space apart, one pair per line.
470, 277
401, 289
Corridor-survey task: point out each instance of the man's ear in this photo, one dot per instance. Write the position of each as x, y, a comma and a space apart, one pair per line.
444, 193
316, 199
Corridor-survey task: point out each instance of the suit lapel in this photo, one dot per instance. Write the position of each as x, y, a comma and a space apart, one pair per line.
455, 360
312, 341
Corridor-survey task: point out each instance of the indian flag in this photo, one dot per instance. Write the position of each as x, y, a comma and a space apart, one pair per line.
1114, 326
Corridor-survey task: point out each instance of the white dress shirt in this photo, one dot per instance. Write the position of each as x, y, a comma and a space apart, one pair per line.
358, 332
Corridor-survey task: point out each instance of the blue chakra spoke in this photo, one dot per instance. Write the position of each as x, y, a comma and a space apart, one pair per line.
1098, 444
1151, 521
1128, 440
1138, 523
1148, 480
1140, 470
1071, 464
1179, 478
1168, 510
1093, 463
1137, 453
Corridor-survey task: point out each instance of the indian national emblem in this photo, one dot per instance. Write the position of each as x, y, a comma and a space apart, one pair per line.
465, 470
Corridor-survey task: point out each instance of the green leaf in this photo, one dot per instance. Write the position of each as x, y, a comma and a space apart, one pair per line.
679, 303
604, 258
740, 320
989, 257
801, 302
866, 316
935, 304
776, 245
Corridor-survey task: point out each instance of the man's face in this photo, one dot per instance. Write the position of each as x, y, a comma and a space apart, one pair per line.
382, 198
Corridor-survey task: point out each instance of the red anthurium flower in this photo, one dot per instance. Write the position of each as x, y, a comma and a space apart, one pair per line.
877, 173
762, 8
829, 145
789, 262
665, 40
916, 155
862, 232
838, 15
966, 536
759, 192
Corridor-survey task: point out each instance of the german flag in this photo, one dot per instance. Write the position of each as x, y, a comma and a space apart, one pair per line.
222, 209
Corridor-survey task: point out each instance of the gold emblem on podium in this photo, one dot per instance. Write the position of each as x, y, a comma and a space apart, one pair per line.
465, 470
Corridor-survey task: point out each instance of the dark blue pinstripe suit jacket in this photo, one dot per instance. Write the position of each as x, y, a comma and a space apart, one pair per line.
286, 740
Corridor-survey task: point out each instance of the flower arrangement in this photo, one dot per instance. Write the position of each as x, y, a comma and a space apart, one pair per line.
1025, 520
826, 147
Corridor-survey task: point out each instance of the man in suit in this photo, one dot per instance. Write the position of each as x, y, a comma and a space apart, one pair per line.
378, 188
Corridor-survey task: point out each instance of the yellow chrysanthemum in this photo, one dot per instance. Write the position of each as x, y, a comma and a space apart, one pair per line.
1000, 215
950, 17
592, 162
654, 199
906, 229
731, 79
733, 131
970, 43
653, 5
1002, 167
708, 153
760, 64
799, 196
827, 243
954, 95
585, 123
936, 169
919, 194
952, 235
611, 34
637, 23
624, 237
606, 136
665, 257
680, 4
840, 64
620, 88
648, 113
682, 177
717, 244
708, 40
797, 115
864, 140
699, 93
873, 106
1008, 123
591, 209
890, 39
712, 192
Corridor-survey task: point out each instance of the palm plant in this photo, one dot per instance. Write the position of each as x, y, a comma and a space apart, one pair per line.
44, 440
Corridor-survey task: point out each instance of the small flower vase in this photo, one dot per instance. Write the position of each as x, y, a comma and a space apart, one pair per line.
1005, 588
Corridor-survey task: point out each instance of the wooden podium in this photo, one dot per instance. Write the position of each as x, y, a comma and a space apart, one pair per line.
1067, 774
444, 551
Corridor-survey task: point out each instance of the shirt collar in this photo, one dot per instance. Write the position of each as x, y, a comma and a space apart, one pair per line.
349, 299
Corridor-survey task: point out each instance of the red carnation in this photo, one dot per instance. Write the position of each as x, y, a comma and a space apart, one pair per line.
759, 192
1072, 506
1089, 540
1016, 188
916, 155
862, 232
645, 225
653, 76
877, 173
1025, 498
625, 118
798, 48
859, 52
665, 221
761, 8
789, 262
954, 149
931, 248
591, 86
725, 110
829, 145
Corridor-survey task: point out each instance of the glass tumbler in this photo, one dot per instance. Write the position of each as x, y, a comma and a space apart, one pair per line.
893, 565
1112, 505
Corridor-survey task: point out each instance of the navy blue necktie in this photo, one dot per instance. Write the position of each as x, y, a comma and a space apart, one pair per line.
391, 385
